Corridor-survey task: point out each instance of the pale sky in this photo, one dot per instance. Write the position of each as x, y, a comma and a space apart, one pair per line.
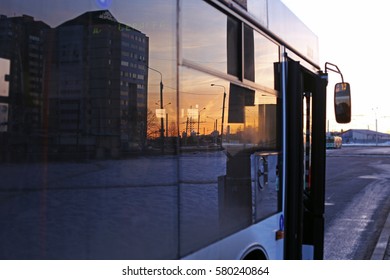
353, 35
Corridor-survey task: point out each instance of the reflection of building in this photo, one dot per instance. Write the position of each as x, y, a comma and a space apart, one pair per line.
98, 86
79, 88
3, 117
21, 44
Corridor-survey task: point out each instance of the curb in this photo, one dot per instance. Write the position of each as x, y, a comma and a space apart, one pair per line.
381, 246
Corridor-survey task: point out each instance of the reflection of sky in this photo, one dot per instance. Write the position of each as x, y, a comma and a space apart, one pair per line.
159, 14
55, 12
208, 34
155, 18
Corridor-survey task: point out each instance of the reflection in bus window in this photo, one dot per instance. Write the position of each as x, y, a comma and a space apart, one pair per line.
266, 54
205, 36
83, 132
225, 148
113, 149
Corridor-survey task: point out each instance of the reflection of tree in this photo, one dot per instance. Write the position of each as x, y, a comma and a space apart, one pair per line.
153, 126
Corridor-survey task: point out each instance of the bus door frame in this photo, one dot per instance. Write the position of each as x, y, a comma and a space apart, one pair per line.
304, 224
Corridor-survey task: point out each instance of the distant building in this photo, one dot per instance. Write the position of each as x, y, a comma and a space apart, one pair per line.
360, 136
98, 95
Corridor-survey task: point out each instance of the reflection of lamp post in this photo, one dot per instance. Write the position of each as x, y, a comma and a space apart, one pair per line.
166, 119
215, 132
223, 108
215, 123
161, 107
199, 118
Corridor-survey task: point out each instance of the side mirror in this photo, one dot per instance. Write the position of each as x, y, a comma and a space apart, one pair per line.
342, 102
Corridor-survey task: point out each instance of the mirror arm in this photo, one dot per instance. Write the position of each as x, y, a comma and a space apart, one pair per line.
334, 69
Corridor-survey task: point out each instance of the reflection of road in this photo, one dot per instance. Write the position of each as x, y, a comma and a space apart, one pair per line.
109, 209
83, 211
128, 208
357, 200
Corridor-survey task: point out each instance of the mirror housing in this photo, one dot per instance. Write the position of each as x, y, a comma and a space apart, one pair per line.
342, 102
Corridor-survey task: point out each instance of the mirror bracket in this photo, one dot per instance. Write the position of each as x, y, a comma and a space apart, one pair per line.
334, 68
342, 96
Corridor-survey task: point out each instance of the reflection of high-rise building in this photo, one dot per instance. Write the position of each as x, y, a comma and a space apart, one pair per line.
21, 48
98, 86
78, 88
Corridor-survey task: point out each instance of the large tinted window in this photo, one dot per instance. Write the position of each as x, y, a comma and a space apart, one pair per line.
110, 150
229, 130
87, 108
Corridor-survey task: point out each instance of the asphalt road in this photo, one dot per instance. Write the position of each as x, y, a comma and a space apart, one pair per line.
357, 201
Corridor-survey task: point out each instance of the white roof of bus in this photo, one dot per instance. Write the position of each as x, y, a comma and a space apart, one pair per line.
282, 22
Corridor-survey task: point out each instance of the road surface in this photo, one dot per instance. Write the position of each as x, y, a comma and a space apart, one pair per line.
357, 200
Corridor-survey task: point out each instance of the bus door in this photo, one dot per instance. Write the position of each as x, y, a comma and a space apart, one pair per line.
305, 99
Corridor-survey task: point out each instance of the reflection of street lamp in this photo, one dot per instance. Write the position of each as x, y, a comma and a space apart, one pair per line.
166, 119
161, 106
223, 108
215, 123
199, 118
215, 132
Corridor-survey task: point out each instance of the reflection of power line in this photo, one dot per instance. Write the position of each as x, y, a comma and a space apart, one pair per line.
192, 93
164, 59
210, 62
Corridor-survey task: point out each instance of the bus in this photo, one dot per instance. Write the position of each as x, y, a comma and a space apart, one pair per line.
334, 142
149, 129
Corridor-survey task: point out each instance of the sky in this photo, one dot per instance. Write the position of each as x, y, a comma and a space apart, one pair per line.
354, 36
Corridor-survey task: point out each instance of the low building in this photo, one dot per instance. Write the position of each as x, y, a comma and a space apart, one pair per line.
364, 136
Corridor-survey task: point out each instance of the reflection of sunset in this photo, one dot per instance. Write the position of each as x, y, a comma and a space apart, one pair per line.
197, 92
206, 50
196, 39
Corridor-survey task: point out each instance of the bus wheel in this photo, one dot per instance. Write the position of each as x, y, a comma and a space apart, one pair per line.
255, 255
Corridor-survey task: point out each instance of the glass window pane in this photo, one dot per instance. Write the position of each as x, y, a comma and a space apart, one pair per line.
266, 54
91, 129
202, 161
216, 169
205, 39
